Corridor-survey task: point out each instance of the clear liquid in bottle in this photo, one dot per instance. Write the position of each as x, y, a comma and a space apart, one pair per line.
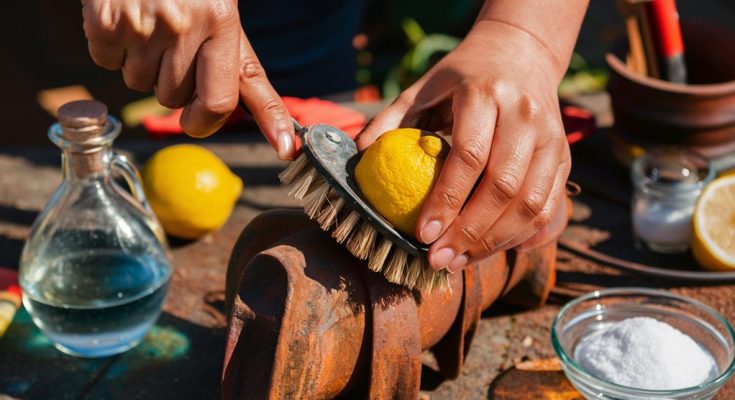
95, 269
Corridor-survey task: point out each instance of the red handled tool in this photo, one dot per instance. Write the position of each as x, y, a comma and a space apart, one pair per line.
664, 23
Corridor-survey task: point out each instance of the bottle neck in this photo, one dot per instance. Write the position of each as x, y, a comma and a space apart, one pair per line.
82, 165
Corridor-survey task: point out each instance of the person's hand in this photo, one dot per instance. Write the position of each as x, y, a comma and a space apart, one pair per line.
195, 55
497, 95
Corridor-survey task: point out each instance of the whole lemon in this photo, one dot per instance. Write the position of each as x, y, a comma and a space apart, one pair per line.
397, 172
190, 189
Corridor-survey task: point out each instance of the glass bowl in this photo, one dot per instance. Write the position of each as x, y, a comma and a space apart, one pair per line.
595, 310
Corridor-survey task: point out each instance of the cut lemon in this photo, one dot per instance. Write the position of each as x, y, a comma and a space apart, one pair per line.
713, 242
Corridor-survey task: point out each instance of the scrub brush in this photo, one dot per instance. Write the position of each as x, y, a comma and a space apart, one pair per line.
323, 177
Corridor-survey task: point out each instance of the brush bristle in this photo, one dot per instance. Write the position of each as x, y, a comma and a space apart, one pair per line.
361, 243
301, 185
328, 216
376, 261
294, 169
442, 280
316, 200
345, 227
324, 204
396, 267
415, 266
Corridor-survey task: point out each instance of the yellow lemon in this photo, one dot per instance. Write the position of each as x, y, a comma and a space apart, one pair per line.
396, 173
713, 242
190, 189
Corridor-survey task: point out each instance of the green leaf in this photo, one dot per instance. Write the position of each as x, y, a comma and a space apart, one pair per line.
413, 30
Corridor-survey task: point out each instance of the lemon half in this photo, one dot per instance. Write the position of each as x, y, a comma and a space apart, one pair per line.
713, 242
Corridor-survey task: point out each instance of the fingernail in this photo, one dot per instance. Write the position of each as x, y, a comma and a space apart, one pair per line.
459, 262
442, 258
285, 146
431, 231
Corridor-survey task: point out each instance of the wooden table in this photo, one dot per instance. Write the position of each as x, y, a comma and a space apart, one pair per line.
182, 356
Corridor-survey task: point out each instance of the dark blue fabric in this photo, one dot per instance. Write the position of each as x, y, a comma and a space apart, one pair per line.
305, 46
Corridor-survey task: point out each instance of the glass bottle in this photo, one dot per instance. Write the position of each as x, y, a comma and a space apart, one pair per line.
95, 269
666, 185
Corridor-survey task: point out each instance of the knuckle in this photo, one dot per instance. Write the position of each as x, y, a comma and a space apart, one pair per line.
505, 186
543, 219
176, 18
533, 204
489, 244
170, 100
471, 232
529, 109
221, 13
102, 58
220, 106
275, 109
473, 155
494, 88
252, 69
98, 28
450, 198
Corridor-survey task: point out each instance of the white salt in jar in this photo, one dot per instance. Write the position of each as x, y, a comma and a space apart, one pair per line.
666, 185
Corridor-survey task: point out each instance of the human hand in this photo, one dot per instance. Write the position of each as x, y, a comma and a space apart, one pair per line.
497, 94
195, 55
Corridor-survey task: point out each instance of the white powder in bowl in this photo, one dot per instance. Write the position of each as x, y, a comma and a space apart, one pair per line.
645, 353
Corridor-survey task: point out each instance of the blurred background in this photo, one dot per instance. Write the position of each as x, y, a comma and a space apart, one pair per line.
42, 47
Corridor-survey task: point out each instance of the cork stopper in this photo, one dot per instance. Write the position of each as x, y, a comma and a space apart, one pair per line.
82, 119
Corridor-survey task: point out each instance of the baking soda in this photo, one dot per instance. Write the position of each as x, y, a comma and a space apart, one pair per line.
645, 353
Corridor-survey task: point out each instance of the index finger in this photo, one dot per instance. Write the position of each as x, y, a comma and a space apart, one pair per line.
216, 81
475, 115
264, 103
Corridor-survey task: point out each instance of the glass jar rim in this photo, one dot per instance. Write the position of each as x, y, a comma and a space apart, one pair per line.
679, 190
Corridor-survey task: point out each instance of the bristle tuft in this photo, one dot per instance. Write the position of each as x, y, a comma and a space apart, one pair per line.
376, 261
328, 215
345, 227
294, 169
362, 242
396, 267
442, 281
415, 268
432, 280
302, 184
315, 201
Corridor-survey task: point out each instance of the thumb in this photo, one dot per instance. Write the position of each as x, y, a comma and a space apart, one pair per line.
264, 103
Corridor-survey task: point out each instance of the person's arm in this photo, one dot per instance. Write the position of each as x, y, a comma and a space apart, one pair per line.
193, 54
497, 94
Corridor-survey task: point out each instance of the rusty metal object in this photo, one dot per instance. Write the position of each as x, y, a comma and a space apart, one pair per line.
308, 320
534, 380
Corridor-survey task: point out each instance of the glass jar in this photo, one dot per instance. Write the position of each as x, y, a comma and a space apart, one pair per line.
666, 185
95, 268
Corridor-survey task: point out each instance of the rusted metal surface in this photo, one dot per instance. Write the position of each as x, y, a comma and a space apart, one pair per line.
532, 384
308, 320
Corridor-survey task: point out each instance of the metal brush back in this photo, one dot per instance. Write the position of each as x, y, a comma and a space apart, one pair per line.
334, 155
